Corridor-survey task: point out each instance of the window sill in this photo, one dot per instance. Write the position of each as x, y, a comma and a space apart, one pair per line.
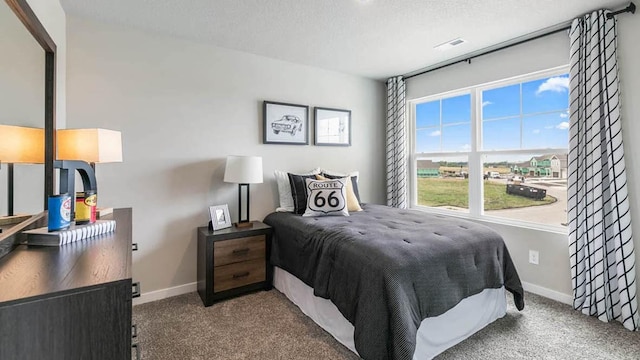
562, 230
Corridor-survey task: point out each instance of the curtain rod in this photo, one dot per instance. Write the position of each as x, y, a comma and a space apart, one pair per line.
509, 43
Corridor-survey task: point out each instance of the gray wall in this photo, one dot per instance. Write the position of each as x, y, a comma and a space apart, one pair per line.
553, 272
182, 108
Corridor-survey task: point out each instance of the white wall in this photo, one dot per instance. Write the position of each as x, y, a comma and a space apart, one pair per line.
182, 108
553, 272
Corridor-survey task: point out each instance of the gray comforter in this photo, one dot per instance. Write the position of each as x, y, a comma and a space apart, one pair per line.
387, 269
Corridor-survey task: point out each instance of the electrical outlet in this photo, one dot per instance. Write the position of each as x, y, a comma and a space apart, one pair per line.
534, 256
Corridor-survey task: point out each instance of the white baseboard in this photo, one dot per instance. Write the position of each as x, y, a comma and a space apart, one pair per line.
165, 293
187, 288
548, 293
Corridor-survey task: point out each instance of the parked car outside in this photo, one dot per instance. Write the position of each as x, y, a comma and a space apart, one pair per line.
518, 179
491, 175
289, 124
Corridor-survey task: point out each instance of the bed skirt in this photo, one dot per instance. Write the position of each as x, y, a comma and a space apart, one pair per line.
435, 334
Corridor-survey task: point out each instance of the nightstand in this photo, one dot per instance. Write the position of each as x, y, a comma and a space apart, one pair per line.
233, 261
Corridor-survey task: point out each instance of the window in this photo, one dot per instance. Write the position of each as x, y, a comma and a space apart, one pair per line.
443, 125
497, 150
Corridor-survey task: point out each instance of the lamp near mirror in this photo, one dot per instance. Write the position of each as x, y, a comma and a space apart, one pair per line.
19, 145
243, 170
92, 146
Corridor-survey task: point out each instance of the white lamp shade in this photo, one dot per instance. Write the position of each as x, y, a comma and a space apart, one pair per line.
21, 145
243, 170
90, 145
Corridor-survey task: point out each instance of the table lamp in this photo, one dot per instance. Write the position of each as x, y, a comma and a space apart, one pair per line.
243, 170
19, 144
93, 146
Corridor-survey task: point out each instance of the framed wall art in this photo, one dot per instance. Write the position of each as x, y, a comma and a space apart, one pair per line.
285, 123
220, 218
333, 127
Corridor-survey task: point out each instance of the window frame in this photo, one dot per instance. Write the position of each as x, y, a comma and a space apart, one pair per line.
475, 155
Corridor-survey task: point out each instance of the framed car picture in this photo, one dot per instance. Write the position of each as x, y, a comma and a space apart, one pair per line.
285, 123
333, 127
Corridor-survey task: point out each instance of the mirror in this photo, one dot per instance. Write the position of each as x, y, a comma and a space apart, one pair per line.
30, 104
43, 100
22, 104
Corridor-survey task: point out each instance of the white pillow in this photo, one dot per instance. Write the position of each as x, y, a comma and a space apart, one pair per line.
327, 197
284, 189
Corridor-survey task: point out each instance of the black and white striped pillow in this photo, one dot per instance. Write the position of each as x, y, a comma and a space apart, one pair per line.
299, 192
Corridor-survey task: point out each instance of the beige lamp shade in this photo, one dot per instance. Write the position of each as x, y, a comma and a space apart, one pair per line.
20, 144
243, 170
90, 145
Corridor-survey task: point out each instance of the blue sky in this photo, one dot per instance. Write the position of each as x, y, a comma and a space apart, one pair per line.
542, 123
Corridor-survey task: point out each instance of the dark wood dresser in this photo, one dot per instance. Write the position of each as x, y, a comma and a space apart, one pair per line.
69, 302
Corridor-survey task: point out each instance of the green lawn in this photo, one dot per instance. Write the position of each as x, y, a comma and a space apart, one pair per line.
454, 192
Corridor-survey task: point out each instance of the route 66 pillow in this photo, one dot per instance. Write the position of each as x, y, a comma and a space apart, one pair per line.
326, 197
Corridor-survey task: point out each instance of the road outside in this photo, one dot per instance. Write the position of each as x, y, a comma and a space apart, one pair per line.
552, 214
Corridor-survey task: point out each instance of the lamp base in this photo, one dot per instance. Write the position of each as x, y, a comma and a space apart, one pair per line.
243, 224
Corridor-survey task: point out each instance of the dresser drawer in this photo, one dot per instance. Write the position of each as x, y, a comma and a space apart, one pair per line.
239, 274
238, 250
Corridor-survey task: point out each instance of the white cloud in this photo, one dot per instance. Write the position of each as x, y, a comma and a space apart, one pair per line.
549, 127
466, 147
555, 84
564, 115
563, 125
485, 103
436, 133
536, 131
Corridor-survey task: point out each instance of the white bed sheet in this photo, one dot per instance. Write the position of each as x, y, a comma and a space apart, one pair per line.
435, 334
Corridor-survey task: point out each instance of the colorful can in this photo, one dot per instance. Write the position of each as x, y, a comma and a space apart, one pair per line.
59, 212
86, 207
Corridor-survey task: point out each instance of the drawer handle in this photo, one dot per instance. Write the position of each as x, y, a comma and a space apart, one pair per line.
239, 252
241, 275
137, 349
135, 287
134, 331
134, 247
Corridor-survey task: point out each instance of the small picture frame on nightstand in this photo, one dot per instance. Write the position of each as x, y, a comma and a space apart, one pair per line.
220, 218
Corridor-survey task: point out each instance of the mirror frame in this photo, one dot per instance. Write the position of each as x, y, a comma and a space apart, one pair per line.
26, 15
11, 238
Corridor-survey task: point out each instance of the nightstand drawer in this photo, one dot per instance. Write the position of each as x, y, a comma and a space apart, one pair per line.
239, 274
237, 250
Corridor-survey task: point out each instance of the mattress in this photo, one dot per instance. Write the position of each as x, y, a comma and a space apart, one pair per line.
387, 270
434, 335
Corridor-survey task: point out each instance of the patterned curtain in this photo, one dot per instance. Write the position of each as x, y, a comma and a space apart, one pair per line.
396, 144
600, 239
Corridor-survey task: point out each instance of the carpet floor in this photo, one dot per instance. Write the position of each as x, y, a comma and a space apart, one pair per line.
266, 325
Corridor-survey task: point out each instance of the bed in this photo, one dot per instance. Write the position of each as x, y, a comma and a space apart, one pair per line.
391, 283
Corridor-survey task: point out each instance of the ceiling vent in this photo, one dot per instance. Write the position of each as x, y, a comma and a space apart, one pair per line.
449, 44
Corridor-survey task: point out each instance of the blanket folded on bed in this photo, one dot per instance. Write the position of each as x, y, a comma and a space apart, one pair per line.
387, 269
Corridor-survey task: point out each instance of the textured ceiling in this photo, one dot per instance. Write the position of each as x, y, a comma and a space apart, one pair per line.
375, 38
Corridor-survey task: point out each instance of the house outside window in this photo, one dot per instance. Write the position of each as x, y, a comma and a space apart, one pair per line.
495, 151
